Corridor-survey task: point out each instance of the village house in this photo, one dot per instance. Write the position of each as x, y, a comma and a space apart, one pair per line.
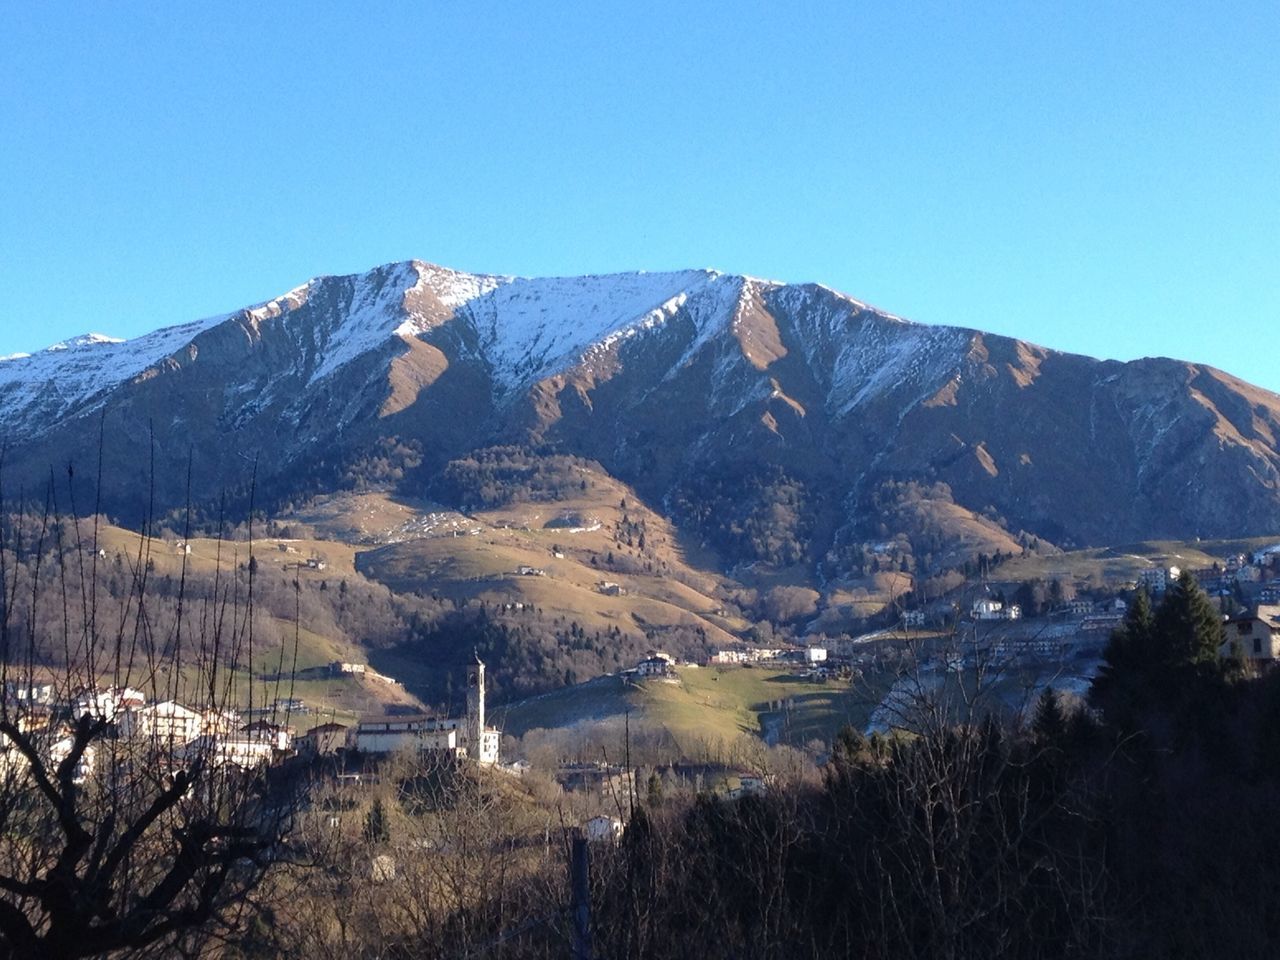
657, 666
323, 741
728, 656
29, 691
815, 654
754, 784
1256, 636
1158, 579
340, 667
1249, 574
107, 704
987, 609
1035, 647
166, 721
237, 750
603, 829
60, 749
606, 782
53, 741
913, 618
420, 732
1102, 622
277, 735
216, 722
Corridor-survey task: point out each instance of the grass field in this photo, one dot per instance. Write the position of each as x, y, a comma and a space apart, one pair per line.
1124, 562
709, 703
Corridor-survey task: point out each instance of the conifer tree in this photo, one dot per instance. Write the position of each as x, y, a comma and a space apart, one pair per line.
1050, 723
1188, 625
1128, 658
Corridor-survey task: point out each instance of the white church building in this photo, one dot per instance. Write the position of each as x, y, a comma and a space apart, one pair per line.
468, 737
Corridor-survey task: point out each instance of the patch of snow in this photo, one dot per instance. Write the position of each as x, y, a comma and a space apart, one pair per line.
531, 328
74, 375
526, 329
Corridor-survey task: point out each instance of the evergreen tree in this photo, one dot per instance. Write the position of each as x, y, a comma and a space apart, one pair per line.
1050, 723
375, 823
1126, 661
849, 750
1189, 626
654, 798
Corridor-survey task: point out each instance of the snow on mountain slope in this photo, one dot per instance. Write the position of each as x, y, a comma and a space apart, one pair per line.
524, 330
860, 354
527, 328
77, 374
398, 300
530, 328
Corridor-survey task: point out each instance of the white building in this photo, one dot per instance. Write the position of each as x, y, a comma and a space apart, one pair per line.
108, 704
657, 665
987, 609
1255, 635
60, 749
29, 691
1158, 579
323, 741
603, 829
815, 654
419, 732
168, 720
240, 750
278, 736
469, 737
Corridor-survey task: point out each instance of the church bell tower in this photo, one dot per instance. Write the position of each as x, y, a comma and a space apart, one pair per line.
475, 707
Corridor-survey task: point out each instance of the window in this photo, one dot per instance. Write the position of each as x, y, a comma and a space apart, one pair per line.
1257, 644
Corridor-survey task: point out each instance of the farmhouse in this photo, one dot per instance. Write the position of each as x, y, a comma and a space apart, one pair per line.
323, 741
107, 704
235, 750
657, 665
340, 667
277, 735
1257, 636
603, 829
987, 609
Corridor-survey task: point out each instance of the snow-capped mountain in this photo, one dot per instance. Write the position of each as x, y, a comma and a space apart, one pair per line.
671, 381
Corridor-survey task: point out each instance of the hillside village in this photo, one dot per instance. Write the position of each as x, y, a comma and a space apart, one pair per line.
169, 732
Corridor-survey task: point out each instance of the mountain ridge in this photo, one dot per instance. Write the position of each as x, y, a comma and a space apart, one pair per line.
672, 381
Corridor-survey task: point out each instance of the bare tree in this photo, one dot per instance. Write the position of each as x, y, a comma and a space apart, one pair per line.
124, 831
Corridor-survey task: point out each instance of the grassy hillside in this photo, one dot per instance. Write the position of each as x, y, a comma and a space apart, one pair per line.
1125, 562
708, 704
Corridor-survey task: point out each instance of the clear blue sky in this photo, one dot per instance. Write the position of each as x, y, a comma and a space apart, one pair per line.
1097, 177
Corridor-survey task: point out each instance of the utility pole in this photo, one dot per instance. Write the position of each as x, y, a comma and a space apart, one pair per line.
580, 890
